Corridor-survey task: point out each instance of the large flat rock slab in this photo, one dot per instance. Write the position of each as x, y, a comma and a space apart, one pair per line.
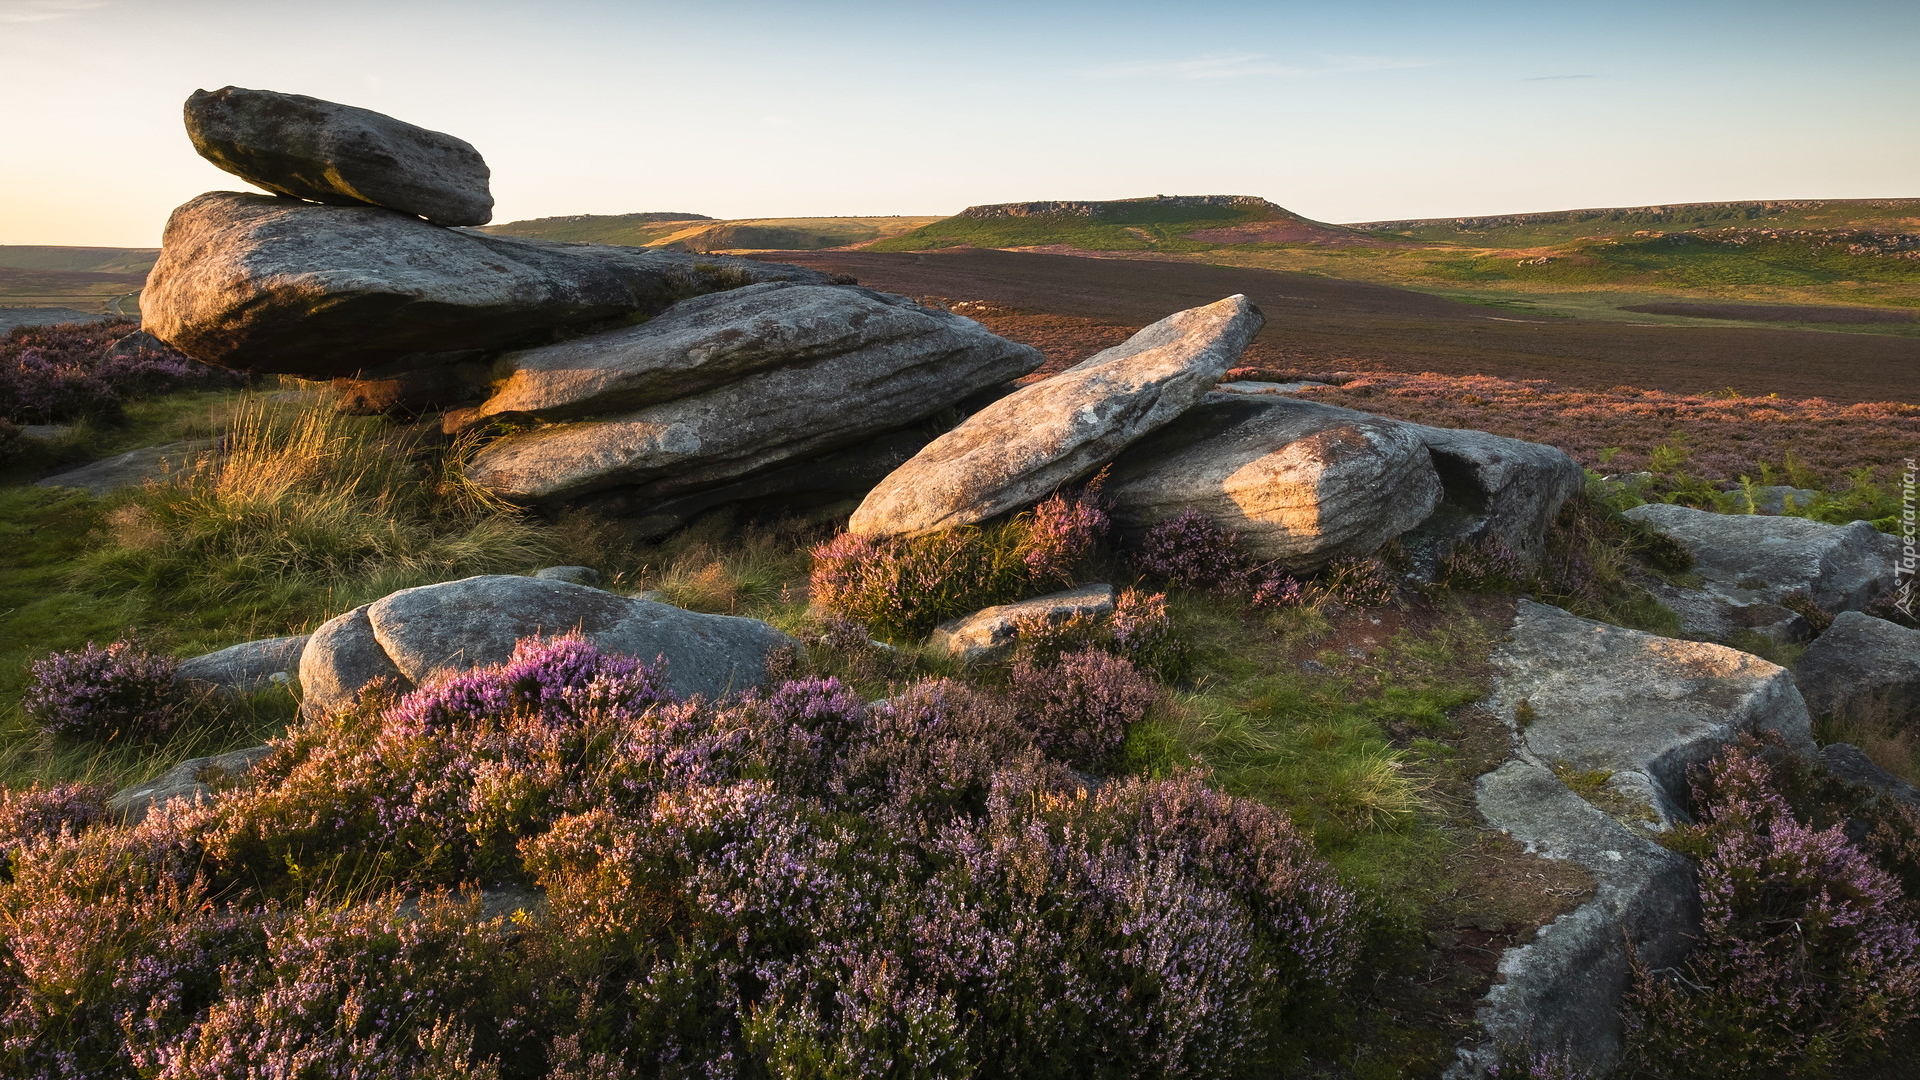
1300, 483
275, 285
1751, 565
309, 148
862, 363
1623, 714
1016, 450
131, 469
411, 635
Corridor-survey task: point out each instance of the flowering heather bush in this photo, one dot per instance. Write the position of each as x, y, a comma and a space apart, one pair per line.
38, 812
1809, 956
54, 373
909, 586
1190, 551
1080, 707
119, 692
784, 883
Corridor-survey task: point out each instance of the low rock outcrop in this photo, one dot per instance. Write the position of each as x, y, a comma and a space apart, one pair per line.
821, 398
1624, 714
273, 285
407, 637
308, 148
1300, 483
1861, 665
1499, 490
192, 780
994, 631
131, 469
1024, 445
1753, 567
245, 667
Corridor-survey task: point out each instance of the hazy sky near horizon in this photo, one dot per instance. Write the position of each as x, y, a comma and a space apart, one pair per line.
1339, 111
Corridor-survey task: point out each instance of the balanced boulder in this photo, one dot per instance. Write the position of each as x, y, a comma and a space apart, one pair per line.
313, 149
710, 341
1300, 483
889, 365
273, 285
1753, 567
408, 636
1024, 445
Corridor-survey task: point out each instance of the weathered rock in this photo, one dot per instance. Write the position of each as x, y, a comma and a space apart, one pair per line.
192, 780
1632, 712
273, 285
313, 149
577, 575
476, 621
710, 341
1019, 448
1751, 566
242, 668
800, 487
1861, 666
1561, 991
131, 469
343, 658
993, 631
1850, 763
136, 343
1259, 388
1498, 490
1774, 499
1301, 483
769, 417
1639, 707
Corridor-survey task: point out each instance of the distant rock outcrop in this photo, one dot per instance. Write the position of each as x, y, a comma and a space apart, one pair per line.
312, 149
1017, 449
1081, 208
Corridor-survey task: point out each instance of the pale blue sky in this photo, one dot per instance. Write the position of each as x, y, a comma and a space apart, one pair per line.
1340, 111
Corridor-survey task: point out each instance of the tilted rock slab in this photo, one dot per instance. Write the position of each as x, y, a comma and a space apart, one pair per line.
408, 636
1016, 450
712, 340
272, 285
245, 667
1301, 483
993, 631
1863, 665
192, 780
1750, 564
1585, 696
888, 363
309, 148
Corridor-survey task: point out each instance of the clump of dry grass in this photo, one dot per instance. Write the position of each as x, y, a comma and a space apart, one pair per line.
1878, 727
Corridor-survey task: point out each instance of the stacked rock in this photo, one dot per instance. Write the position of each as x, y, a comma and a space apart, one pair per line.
746, 379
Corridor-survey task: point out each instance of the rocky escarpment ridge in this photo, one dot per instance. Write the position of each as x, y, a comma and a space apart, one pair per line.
1078, 208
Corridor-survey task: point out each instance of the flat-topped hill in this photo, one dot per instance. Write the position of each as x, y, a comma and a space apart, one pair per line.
698, 232
1172, 223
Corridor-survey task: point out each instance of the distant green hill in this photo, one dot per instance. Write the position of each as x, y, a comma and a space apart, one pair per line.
632, 230
1174, 223
1561, 226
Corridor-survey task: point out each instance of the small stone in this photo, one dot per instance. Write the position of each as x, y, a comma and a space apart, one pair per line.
578, 575
993, 631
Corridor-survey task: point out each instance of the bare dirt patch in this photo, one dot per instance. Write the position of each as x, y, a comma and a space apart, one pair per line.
1318, 323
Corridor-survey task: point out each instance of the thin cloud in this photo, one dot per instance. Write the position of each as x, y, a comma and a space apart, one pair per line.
37, 11
1247, 66
1557, 78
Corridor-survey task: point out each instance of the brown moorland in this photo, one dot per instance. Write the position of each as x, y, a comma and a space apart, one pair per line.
1079, 304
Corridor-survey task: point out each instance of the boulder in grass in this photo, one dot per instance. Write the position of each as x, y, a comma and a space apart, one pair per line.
1299, 482
1863, 668
409, 636
272, 285
890, 364
1757, 572
246, 667
192, 780
1496, 490
994, 631
309, 148
1016, 450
